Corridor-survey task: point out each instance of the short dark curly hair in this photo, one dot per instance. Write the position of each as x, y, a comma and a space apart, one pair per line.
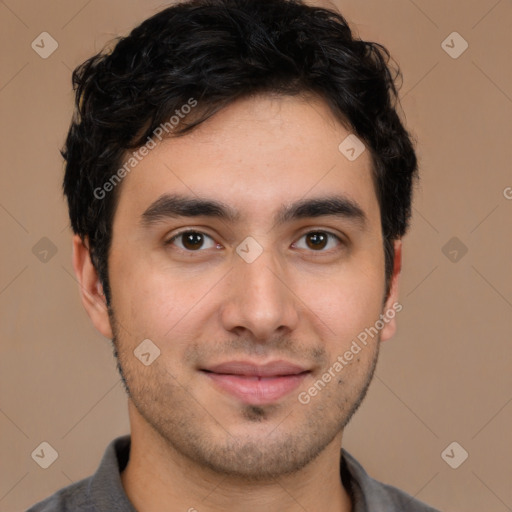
218, 51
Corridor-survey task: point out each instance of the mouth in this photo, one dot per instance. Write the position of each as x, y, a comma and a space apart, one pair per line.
256, 384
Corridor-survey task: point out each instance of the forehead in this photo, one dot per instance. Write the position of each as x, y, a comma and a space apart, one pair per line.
254, 155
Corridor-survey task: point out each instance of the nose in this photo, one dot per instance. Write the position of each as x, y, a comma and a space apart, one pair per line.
259, 299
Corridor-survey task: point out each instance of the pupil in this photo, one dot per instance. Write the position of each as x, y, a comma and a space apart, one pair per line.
317, 240
193, 240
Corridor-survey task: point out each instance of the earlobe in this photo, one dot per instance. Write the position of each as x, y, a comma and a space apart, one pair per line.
392, 306
91, 290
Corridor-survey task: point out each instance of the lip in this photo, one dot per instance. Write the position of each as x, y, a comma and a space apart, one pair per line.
256, 384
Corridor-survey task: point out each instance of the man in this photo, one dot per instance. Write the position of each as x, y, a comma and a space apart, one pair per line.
238, 184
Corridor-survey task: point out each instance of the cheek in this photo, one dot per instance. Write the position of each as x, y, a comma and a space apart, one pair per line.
159, 304
139, 298
345, 303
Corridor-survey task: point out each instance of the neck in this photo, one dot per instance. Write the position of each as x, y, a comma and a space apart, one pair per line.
157, 478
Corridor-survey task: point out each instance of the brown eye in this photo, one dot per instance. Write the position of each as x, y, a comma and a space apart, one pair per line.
192, 241
318, 241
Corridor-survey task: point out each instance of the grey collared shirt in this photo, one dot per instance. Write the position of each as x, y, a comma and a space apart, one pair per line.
103, 491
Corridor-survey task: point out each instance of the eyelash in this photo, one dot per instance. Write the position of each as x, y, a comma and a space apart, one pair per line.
188, 231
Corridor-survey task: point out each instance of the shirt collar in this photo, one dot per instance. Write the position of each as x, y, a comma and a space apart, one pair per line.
107, 492
106, 489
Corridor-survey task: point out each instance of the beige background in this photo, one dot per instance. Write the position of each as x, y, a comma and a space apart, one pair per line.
447, 374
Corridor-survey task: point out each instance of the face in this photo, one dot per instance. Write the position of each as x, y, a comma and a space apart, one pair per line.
250, 253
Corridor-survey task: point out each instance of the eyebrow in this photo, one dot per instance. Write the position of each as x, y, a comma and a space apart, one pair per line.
175, 205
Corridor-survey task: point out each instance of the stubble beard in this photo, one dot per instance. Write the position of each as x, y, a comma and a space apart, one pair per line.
190, 431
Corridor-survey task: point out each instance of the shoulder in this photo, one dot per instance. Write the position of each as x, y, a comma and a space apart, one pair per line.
375, 495
70, 498
101, 491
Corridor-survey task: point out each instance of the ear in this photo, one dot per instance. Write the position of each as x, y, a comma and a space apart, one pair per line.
91, 289
392, 307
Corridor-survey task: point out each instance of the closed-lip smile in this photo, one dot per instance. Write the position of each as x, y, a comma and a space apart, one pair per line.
255, 383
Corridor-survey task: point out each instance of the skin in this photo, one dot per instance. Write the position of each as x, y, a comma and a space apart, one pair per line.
193, 445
